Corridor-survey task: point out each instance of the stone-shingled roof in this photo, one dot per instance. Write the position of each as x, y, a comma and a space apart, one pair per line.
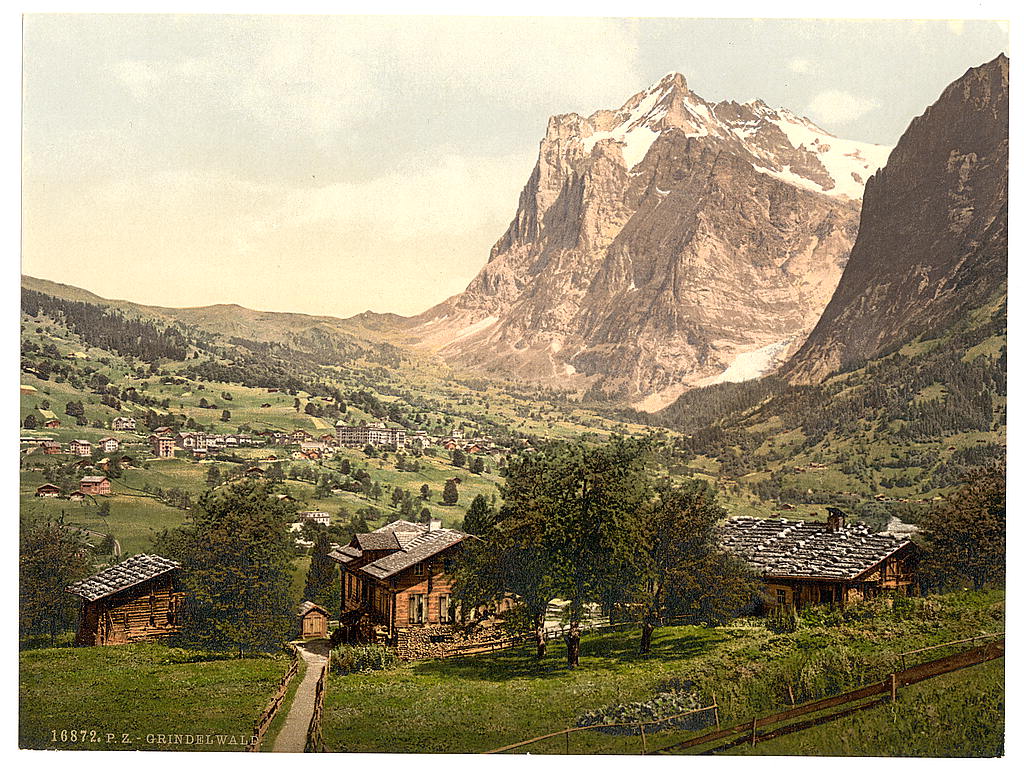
781, 548
411, 543
130, 572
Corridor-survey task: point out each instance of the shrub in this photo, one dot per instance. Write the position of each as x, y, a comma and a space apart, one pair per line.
348, 659
782, 620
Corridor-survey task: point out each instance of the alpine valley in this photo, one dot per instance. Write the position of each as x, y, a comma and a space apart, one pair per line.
710, 328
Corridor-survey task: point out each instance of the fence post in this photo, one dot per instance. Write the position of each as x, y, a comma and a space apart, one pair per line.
892, 686
753, 732
643, 740
567, 743
714, 701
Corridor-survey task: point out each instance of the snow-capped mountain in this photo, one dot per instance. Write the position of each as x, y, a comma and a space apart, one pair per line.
667, 244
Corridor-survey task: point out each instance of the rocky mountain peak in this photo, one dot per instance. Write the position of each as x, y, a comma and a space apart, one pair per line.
665, 244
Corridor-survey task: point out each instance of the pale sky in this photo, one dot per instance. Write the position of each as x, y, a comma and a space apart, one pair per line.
338, 164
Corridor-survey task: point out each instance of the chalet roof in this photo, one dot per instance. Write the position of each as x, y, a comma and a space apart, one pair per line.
420, 548
307, 607
48, 487
92, 479
130, 572
378, 541
81, 442
410, 542
781, 548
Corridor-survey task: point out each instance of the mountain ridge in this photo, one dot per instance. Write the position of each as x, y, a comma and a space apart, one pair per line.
933, 235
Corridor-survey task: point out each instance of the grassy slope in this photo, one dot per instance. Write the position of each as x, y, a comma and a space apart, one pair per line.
484, 702
127, 689
949, 716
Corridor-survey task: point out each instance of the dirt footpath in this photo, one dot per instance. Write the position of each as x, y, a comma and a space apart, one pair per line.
292, 736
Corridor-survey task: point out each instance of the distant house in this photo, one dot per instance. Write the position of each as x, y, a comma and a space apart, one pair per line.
123, 424
77, 496
806, 562
161, 431
137, 600
48, 491
315, 516
51, 423
109, 444
163, 447
80, 448
187, 440
312, 621
51, 448
95, 485
255, 472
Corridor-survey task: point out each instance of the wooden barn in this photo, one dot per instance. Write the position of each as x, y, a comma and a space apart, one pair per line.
48, 490
808, 562
312, 621
135, 601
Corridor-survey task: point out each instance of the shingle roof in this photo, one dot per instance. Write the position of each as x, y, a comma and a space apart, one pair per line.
781, 548
418, 549
131, 571
378, 541
307, 606
93, 479
411, 543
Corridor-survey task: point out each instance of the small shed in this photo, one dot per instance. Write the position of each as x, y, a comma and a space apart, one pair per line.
137, 600
312, 621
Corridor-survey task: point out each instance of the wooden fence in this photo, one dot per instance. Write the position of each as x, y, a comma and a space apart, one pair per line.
314, 734
641, 728
765, 728
263, 722
761, 729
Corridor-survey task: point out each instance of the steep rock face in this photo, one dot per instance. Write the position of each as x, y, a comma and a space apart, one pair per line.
932, 242
656, 246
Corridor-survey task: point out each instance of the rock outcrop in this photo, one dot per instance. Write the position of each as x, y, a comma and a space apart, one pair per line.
932, 243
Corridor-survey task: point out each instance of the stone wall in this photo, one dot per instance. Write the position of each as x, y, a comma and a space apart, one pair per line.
445, 639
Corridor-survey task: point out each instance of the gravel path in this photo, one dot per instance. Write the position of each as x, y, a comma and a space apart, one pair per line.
292, 736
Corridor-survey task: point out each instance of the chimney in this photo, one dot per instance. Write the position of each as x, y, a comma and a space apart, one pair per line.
836, 519
434, 525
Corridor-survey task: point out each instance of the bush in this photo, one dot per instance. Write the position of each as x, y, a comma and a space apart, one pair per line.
348, 659
782, 620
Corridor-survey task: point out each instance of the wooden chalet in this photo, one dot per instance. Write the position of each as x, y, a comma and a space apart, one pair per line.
137, 600
48, 490
396, 579
255, 472
95, 485
806, 562
77, 496
80, 448
312, 621
51, 448
51, 423
123, 424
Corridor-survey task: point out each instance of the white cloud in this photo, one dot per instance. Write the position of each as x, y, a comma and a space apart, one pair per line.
834, 106
799, 65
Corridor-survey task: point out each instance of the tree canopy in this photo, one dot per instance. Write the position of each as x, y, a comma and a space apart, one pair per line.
964, 538
236, 559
